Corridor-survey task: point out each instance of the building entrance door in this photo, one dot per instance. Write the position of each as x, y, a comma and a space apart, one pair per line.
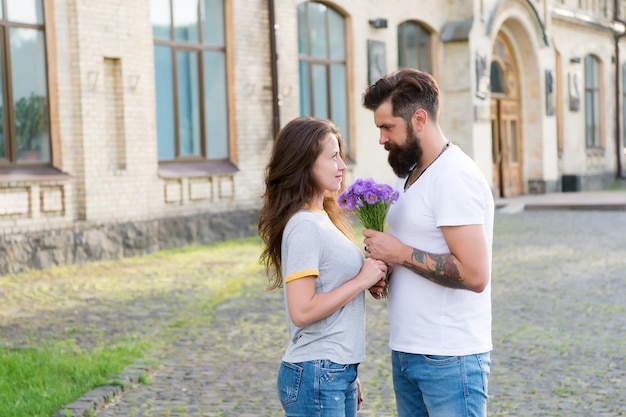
505, 121
505, 134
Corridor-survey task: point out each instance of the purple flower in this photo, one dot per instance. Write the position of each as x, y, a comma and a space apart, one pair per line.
370, 197
369, 201
347, 200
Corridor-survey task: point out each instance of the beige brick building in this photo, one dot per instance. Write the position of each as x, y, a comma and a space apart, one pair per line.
131, 126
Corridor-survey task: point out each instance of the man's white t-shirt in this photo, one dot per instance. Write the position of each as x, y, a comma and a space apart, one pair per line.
427, 318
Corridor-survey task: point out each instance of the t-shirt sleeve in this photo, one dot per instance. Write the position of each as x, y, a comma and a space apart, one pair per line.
302, 251
460, 200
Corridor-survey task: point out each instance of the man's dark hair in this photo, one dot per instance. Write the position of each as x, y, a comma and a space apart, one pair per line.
408, 89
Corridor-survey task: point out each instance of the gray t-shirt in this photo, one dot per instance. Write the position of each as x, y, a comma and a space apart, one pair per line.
312, 245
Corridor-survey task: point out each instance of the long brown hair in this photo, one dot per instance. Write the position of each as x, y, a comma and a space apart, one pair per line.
289, 185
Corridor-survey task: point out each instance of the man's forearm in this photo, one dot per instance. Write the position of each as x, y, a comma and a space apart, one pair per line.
440, 269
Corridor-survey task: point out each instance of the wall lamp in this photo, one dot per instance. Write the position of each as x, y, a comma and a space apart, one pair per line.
378, 23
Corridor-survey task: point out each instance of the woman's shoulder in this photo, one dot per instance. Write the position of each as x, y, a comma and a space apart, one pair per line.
304, 219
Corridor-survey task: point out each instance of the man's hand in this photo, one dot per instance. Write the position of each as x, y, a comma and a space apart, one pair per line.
385, 247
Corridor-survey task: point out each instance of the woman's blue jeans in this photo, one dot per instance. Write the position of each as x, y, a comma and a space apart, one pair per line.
440, 386
318, 388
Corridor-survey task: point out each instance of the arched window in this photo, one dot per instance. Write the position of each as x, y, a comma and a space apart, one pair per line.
497, 78
190, 79
414, 47
322, 65
592, 102
24, 110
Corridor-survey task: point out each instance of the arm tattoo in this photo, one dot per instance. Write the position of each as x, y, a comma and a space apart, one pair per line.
439, 269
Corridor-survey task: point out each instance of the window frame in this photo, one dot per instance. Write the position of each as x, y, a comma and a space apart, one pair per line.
328, 62
11, 165
421, 29
200, 165
593, 105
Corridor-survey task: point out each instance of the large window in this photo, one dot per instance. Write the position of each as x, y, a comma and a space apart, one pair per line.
24, 114
414, 47
190, 75
322, 64
592, 102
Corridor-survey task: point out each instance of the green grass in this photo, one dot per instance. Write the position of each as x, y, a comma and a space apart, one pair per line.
36, 382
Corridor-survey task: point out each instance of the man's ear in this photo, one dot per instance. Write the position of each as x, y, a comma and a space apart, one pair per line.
419, 119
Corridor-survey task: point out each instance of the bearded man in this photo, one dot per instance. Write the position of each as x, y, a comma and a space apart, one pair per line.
439, 246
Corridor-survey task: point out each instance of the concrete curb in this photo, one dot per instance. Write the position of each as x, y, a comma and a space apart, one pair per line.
97, 399
588, 201
512, 208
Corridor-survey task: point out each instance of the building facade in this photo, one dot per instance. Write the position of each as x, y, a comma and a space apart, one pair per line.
128, 127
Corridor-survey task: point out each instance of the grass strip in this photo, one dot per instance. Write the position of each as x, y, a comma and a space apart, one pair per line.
36, 382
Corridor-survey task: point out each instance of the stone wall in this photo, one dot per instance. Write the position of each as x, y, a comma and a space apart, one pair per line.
97, 242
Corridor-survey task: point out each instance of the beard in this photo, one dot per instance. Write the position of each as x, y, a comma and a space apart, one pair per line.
403, 158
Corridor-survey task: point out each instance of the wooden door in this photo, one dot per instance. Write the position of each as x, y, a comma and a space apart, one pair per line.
506, 147
511, 150
496, 148
505, 121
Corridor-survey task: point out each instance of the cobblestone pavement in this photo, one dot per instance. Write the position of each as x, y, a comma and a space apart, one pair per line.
559, 307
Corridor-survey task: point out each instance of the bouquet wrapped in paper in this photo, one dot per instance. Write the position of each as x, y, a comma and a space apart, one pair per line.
369, 201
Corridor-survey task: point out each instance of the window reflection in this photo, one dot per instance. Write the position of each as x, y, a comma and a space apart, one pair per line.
305, 93
213, 22
592, 102
497, 78
320, 98
318, 30
24, 110
215, 105
414, 50
186, 20
30, 94
25, 11
164, 102
160, 16
188, 103
190, 79
322, 65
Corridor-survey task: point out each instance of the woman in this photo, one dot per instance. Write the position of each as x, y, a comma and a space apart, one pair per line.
309, 252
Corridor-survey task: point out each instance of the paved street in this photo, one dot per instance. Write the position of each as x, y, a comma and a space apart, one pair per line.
559, 294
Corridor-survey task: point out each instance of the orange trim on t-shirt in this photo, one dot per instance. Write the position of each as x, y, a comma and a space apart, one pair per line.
302, 274
310, 207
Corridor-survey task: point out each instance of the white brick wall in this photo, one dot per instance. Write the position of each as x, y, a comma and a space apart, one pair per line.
108, 138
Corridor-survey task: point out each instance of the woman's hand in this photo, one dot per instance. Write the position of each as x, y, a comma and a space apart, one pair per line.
378, 289
372, 272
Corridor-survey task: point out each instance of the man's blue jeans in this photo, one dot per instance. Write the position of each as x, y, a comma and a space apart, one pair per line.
440, 386
318, 388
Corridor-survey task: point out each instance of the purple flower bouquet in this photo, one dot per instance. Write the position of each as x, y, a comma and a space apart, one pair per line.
369, 201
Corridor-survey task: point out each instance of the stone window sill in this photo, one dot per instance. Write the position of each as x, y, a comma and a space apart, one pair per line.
31, 174
595, 151
195, 169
